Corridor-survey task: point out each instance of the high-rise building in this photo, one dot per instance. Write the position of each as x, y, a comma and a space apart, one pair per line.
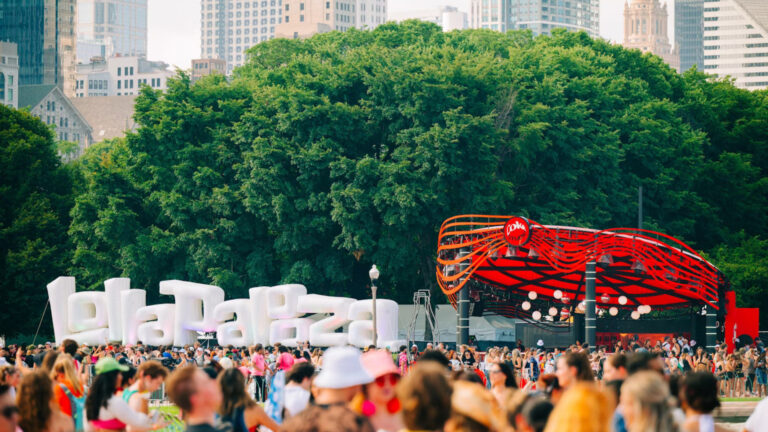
539, 16
645, 28
689, 33
736, 41
44, 31
447, 17
120, 26
304, 18
229, 27
9, 74
120, 76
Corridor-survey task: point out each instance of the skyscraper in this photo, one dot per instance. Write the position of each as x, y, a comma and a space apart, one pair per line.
44, 31
229, 27
689, 33
120, 25
736, 41
539, 16
645, 28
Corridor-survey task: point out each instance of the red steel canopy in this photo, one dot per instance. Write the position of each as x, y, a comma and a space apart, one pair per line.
508, 257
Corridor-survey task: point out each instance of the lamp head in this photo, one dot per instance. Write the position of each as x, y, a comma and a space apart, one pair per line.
373, 273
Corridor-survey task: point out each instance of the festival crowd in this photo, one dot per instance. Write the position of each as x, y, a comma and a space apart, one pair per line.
670, 385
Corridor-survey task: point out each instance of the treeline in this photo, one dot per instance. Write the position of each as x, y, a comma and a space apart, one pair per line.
326, 155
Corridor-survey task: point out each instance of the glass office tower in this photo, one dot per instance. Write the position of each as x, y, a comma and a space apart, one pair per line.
539, 16
689, 33
121, 25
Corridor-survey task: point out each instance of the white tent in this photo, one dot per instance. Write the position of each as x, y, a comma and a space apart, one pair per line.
485, 328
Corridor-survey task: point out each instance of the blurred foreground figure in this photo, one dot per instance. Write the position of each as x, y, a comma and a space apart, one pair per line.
645, 403
380, 404
340, 381
582, 408
198, 397
37, 410
474, 409
425, 397
9, 413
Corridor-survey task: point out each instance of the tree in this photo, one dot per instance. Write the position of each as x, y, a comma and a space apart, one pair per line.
36, 191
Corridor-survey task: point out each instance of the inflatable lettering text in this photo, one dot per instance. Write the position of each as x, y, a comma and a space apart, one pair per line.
283, 313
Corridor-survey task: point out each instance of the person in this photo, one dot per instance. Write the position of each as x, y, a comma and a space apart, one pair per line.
531, 415
615, 367
197, 395
468, 360
10, 376
573, 367
298, 382
381, 405
37, 410
503, 382
473, 409
582, 408
758, 420
68, 391
761, 375
699, 397
402, 360
237, 408
645, 403
258, 371
425, 398
339, 382
9, 412
104, 409
149, 378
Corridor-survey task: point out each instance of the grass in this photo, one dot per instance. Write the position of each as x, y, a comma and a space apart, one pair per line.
741, 399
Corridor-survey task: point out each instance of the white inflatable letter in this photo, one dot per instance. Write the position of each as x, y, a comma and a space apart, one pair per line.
238, 332
322, 333
130, 303
282, 300
361, 328
113, 287
257, 297
194, 306
159, 332
289, 331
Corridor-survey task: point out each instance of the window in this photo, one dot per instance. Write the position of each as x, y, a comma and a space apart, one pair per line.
287, 7
301, 6
118, 71
287, 18
118, 86
301, 18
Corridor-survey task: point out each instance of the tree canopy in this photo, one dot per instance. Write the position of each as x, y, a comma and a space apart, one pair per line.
323, 156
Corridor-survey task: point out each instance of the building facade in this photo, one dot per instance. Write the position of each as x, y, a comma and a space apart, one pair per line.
447, 17
49, 104
205, 67
645, 28
539, 16
736, 41
111, 27
44, 31
9, 74
229, 27
689, 33
120, 76
304, 18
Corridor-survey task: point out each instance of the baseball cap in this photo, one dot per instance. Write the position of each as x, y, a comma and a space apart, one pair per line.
108, 364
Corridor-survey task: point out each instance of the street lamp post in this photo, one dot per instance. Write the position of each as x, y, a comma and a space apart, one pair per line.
373, 273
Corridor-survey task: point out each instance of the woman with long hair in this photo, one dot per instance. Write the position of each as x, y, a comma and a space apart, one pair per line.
503, 383
37, 410
68, 391
107, 411
645, 403
239, 409
699, 397
583, 408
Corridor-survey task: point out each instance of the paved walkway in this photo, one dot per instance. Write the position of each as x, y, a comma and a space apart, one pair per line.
736, 409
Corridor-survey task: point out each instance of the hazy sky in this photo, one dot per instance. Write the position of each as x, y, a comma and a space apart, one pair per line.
174, 25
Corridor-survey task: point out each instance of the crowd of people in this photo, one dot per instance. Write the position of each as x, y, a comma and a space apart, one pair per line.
670, 385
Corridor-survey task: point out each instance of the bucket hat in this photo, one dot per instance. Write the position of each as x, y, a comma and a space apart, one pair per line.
379, 363
342, 368
108, 364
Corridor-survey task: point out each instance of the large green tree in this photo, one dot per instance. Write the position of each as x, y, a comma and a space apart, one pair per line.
323, 156
36, 196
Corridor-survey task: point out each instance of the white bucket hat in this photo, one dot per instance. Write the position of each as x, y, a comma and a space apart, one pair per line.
341, 369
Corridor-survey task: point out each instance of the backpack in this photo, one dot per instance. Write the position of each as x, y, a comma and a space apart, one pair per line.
78, 408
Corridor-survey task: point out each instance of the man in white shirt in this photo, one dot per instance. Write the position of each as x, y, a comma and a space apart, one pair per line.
758, 421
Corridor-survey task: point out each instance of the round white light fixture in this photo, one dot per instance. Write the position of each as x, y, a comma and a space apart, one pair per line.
613, 311
552, 311
635, 315
623, 300
526, 305
536, 315
581, 306
644, 309
558, 294
532, 295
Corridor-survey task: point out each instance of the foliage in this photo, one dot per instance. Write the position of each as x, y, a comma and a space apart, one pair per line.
326, 155
36, 191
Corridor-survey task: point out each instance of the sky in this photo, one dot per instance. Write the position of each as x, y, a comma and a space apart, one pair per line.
174, 25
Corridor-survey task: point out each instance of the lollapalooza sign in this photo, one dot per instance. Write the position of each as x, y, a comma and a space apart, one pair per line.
283, 313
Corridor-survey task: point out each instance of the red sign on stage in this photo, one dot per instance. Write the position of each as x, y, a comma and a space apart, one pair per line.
517, 231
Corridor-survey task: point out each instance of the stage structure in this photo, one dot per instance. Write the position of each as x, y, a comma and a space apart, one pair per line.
550, 275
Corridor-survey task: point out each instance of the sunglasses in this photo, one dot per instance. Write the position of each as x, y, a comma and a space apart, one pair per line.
393, 380
9, 411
